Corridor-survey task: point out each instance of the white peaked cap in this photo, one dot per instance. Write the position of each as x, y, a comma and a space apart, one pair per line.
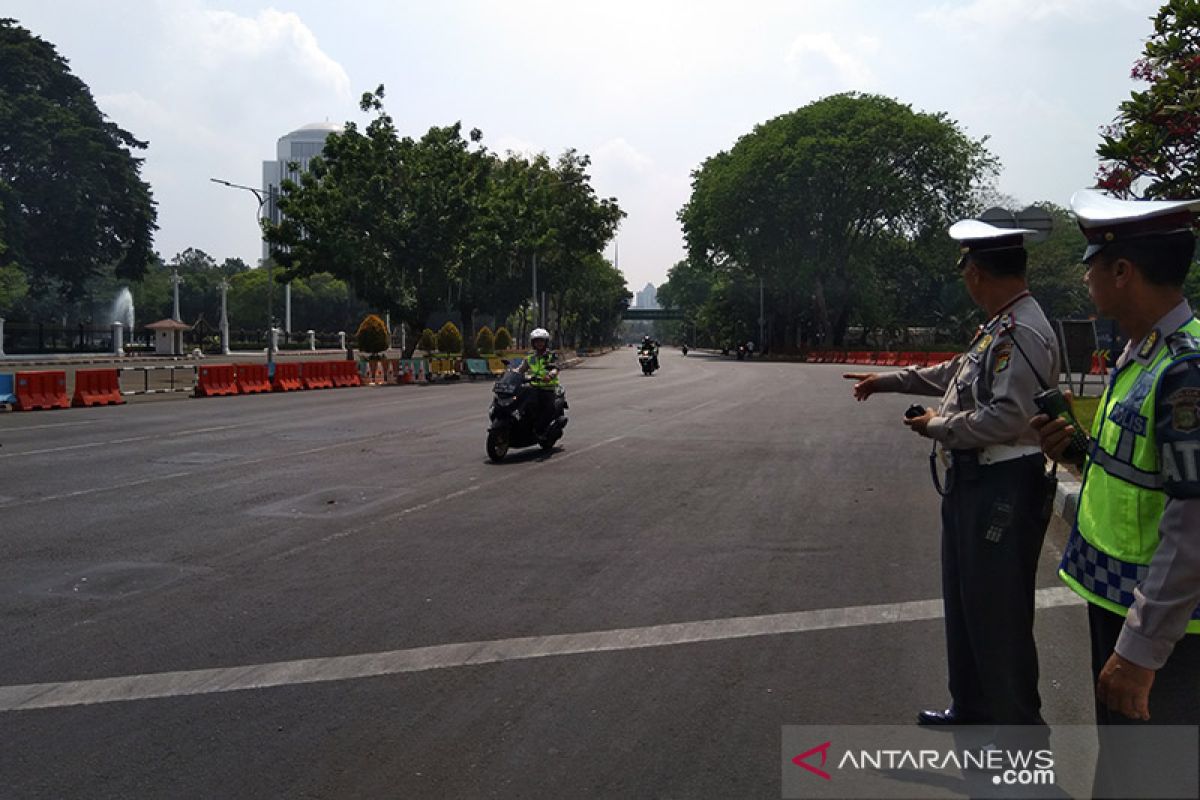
1104, 219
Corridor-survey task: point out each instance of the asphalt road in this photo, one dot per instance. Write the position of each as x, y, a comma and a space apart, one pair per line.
492, 605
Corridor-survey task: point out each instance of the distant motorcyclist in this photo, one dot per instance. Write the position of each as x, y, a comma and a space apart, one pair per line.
542, 368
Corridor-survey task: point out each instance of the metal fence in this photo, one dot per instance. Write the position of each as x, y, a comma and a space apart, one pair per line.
28, 338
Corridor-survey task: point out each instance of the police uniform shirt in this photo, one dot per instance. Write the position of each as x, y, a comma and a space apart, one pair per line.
1164, 601
987, 392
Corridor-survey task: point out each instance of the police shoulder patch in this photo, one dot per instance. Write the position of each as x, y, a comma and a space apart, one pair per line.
1003, 358
1185, 409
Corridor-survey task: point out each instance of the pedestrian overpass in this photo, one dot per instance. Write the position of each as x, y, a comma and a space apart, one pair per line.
645, 314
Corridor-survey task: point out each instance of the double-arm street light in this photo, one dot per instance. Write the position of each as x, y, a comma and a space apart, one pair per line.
262, 201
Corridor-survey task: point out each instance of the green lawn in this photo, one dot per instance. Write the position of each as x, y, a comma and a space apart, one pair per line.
1085, 410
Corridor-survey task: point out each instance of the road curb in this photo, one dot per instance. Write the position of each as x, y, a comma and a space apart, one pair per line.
1066, 498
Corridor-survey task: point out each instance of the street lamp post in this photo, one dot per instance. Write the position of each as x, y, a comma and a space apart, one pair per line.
262, 201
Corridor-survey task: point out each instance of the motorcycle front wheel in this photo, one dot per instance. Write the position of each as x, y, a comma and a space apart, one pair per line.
497, 445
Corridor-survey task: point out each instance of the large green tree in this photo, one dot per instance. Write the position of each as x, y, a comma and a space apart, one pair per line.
74, 205
816, 203
440, 223
1152, 148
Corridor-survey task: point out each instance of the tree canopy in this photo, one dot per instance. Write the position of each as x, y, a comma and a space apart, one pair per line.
440, 223
832, 207
72, 202
1152, 148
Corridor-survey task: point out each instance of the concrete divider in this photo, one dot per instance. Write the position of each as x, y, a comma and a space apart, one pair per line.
97, 387
42, 389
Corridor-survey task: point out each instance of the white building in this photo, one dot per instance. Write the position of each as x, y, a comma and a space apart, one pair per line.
298, 147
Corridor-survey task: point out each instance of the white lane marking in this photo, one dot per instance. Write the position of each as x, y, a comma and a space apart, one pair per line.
464, 654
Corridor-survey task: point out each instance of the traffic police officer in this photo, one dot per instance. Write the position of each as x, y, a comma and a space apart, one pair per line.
995, 508
542, 367
1134, 551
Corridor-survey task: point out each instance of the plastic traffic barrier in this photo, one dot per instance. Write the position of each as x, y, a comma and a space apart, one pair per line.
252, 378
315, 375
344, 373
43, 389
7, 398
216, 380
287, 378
97, 387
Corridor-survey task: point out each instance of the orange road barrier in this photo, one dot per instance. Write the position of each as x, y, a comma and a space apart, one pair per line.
252, 378
43, 389
287, 378
344, 373
97, 387
216, 380
315, 375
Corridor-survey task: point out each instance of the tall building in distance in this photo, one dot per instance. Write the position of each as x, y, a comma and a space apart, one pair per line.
298, 147
646, 298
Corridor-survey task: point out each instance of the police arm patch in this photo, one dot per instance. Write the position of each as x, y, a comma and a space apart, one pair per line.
1177, 428
1003, 358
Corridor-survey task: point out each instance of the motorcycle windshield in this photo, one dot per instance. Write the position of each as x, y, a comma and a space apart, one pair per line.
509, 383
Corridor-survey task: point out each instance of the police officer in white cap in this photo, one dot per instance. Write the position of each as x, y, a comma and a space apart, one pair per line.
1134, 551
995, 505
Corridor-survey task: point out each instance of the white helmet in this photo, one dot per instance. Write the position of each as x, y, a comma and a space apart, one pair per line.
539, 333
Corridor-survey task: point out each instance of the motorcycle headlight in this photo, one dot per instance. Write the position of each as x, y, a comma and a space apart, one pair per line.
505, 402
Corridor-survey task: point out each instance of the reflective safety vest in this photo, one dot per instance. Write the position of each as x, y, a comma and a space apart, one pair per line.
1122, 500
539, 370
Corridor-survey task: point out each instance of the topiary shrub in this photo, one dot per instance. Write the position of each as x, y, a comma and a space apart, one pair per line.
504, 340
372, 336
449, 340
485, 342
427, 342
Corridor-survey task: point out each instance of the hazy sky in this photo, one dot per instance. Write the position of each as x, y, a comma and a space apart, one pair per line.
649, 88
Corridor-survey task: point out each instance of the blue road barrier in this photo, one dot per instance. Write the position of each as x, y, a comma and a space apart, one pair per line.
6, 390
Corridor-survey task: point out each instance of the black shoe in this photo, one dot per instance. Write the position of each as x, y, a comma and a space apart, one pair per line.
949, 716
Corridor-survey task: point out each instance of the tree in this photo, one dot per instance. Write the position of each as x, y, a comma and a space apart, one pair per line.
13, 286
449, 340
813, 204
1152, 148
73, 202
504, 341
485, 341
372, 336
428, 341
418, 225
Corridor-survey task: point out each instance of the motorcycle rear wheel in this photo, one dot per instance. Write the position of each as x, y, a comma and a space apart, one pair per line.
497, 445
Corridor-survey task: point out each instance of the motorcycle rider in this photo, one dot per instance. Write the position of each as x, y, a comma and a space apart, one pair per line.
650, 346
542, 367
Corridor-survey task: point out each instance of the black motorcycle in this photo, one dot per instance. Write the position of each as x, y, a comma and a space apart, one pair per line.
514, 414
648, 359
